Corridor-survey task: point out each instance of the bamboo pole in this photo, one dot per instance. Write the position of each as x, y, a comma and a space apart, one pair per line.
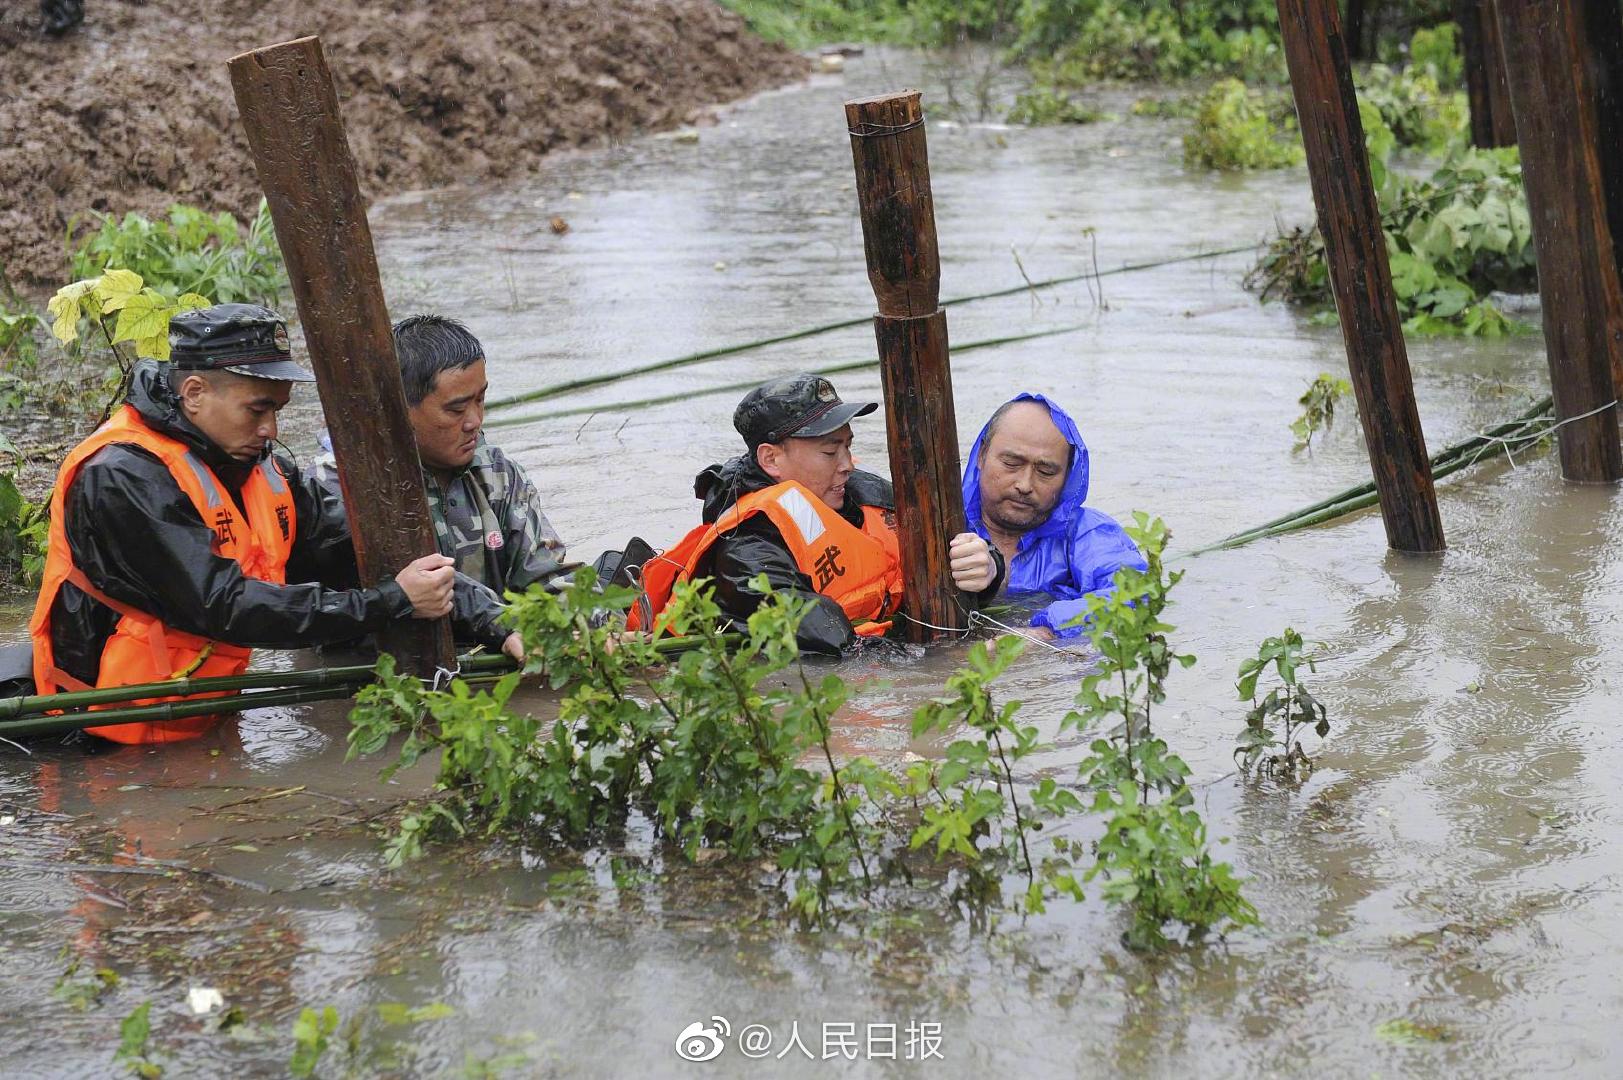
35, 726
290, 113
587, 382
1550, 62
1360, 277
1449, 459
904, 267
727, 388
336, 678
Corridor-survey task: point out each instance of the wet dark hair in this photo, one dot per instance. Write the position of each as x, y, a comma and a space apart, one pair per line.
428, 345
997, 418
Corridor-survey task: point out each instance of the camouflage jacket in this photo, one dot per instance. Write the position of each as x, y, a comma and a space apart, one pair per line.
488, 518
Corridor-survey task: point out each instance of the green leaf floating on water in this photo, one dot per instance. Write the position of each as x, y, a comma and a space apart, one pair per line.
1408, 1033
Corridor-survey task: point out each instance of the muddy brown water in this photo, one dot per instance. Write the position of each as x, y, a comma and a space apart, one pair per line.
1452, 864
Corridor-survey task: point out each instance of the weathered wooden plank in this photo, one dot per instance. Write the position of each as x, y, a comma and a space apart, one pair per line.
904, 268
1492, 121
1553, 88
1361, 279
290, 112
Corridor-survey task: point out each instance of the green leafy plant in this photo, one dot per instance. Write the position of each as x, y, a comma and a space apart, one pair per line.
134, 1033
1156, 39
1045, 105
1414, 107
19, 357
24, 533
1154, 857
142, 312
312, 1033
132, 317
1435, 50
706, 748
83, 991
1237, 128
1452, 239
189, 251
1290, 704
1318, 408
970, 796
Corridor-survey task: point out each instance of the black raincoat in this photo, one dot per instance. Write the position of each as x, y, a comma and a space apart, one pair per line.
756, 547
139, 539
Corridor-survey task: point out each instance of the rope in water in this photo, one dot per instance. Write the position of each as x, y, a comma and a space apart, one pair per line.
589, 381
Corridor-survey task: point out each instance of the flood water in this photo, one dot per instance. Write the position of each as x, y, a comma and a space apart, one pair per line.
1453, 862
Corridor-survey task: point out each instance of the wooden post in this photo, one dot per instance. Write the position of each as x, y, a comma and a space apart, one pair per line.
1492, 122
1355, 29
290, 112
1553, 89
1360, 277
904, 267
1603, 28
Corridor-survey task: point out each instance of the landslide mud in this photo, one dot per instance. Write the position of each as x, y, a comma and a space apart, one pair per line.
133, 111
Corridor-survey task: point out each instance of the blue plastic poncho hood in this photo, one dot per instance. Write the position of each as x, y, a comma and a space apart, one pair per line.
1076, 551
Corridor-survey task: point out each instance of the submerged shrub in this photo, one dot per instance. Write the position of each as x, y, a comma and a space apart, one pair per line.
1419, 112
1237, 128
1154, 857
1076, 42
1045, 105
725, 750
1452, 239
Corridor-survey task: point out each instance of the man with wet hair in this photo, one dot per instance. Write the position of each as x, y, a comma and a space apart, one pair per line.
487, 514
795, 508
178, 542
1024, 489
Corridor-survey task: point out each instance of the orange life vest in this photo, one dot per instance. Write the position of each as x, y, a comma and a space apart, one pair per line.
859, 569
142, 649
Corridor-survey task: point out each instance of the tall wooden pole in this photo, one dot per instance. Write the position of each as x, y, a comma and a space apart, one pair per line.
1492, 122
1360, 277
1549, 61
1603, 28
290, 112
904, 267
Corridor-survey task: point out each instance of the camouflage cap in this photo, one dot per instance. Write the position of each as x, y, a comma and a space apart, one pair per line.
800, 406
242, 338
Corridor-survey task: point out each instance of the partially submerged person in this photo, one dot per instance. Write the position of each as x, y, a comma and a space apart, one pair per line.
487, 514
178, 543
795, 508
1024, 489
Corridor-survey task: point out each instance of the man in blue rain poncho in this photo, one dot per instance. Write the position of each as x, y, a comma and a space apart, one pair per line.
1024, 488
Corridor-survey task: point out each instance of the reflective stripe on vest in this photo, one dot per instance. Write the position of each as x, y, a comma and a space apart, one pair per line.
859, 569
142, 648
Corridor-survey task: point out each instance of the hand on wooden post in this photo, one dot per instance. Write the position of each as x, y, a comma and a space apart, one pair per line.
973, 567
428, 582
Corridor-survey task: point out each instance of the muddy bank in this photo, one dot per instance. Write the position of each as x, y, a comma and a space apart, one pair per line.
134, 110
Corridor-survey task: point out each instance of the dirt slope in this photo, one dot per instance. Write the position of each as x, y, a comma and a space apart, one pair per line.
134, 109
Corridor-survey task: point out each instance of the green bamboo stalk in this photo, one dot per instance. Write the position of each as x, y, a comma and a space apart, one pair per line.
1446, 461
338, 680
349, 675
589, 381
750, 384
1441, 457
170, 710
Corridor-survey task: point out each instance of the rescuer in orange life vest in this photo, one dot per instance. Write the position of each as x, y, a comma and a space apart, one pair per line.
794, 508
178, 542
